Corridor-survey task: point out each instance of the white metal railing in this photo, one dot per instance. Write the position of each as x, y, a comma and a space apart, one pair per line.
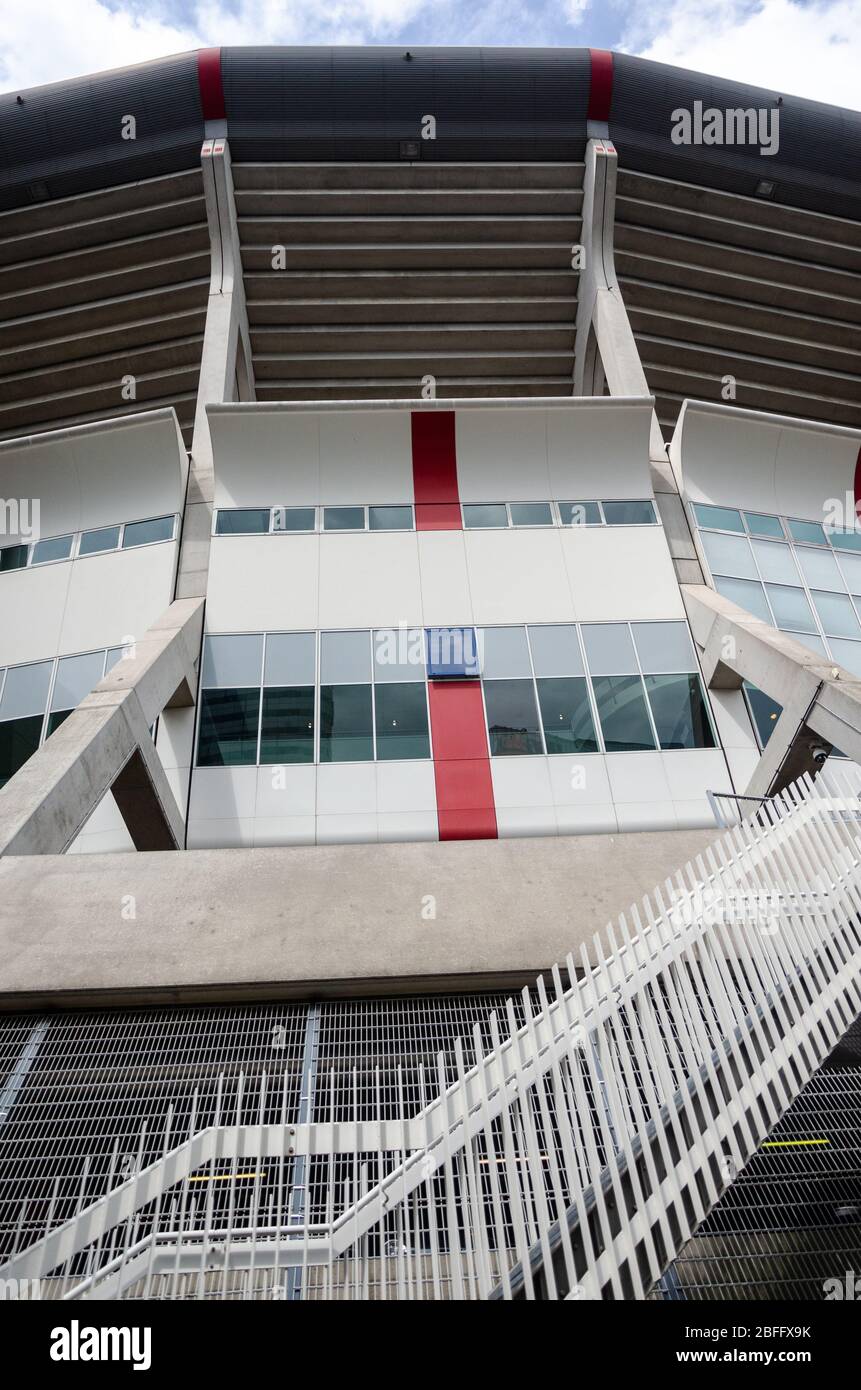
572, 1159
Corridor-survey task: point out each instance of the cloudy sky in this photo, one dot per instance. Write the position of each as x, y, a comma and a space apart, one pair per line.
810, 48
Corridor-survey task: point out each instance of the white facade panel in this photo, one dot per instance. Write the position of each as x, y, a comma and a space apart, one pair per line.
365, 456
521, 782
405, 787
502, 455
446, 596
618, 573
368, 580
346, 788
263, 583
599, 451
286, 792
516, 575
32, 604
117, 596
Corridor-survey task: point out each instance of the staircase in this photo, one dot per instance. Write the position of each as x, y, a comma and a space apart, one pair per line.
578, 1154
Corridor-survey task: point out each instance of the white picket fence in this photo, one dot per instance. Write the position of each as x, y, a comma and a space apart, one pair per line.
572, 1159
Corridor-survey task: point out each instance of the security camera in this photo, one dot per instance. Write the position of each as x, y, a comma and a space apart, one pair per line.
819, 754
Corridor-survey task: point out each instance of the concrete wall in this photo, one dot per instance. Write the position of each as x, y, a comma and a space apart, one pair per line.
100, 929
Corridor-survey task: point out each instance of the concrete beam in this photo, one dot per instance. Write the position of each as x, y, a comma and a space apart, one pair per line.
105, 741
821, 702
101, 929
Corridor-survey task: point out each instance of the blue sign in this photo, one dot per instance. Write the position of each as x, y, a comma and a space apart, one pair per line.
452, 653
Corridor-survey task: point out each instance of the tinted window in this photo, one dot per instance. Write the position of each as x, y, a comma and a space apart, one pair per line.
819, 568
485, 514
57, 548
75, 678
228, 728
26, 690
579, 513
287, 727
723, 518
555, 650
344, 518
679, 712
775, 562
836, 614
345, 657
512, 718
19, 739
747, 595
609, 649
845, 540
765, 711
728, 555
291, 658
390, 518
13, 557
761, 525
294, 519
847, 654
622, 712
106, 538
346, 733
809, 531
531, 514
145, 532
233, 660
503, 651
566, 715
790, 608
402, 721
664, 646
249, 521
399, 654
629, 513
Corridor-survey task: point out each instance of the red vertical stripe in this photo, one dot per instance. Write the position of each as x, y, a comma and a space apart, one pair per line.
435, 470
209, 81
464, 786
600, 84
857, 486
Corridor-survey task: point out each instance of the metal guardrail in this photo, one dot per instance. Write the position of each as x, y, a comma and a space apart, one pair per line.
577, 1155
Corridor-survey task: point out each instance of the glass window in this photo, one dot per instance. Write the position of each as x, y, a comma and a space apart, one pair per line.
287, 725
57, 548
390, 518
245, 521
294, 518
503, 652
776, 564
19, 739
485, 514
580, 513
291, 658
790, 608
850, 566
811, 640
809, 531
623, 714
746, 595
346, 727
114, 655
26, 690
629, 513
845, 540
720, 518
92, 542
399, 654
609, 649
146, 532
345, 657
531, 514
402, 720
847, 654
75, 678
556, 650
512, 717
56, 717
728, 555
13, 557
343, 518
836, 614
566, 714
679, 711
761, 525
764, 710
664, 646
819, 568
233, 661
228, 728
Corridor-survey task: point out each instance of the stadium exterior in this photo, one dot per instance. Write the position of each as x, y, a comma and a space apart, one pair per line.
429, 499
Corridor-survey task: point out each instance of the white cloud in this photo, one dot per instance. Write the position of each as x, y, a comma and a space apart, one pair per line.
806, 50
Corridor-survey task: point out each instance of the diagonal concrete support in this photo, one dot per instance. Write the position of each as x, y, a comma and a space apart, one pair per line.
105, 743
821, 702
